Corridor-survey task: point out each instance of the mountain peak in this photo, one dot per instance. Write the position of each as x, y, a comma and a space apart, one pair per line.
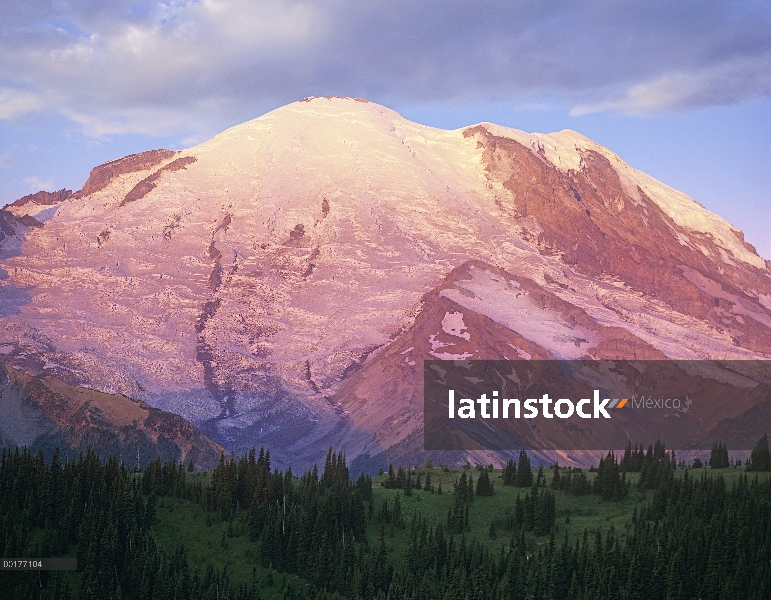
242, 283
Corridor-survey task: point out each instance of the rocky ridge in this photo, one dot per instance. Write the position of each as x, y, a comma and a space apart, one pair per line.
42, 412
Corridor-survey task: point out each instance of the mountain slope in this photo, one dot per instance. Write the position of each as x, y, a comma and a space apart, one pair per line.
245, 282
43, 412
460, 321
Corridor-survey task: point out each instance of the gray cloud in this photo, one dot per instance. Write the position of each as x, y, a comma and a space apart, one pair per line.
725, 83
124, 67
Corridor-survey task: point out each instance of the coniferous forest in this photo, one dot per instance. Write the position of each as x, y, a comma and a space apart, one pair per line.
634, 527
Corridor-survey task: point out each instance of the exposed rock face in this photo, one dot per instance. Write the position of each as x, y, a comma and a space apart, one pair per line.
44, 198
11, 225
262, 289
7, 222
43, 412
102, 175
589, 219
148, 184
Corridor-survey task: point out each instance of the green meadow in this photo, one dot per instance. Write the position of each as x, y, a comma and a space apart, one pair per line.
227, 544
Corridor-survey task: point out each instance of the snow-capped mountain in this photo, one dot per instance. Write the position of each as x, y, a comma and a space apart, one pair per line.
271, 284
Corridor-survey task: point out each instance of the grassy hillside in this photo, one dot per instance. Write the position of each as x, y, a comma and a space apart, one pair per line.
212, 540
246, 532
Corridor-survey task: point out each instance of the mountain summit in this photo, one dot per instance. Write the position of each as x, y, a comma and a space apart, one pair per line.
282, 282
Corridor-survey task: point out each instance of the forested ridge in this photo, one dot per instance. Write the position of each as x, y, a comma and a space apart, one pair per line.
691, 533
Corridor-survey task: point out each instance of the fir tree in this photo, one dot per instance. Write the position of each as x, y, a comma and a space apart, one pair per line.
608, 484
555, 479
718, 458
524, 478
510, 473
396, 517
759, 458
484, 485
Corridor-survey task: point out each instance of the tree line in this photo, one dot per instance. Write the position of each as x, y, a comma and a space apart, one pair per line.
696, 538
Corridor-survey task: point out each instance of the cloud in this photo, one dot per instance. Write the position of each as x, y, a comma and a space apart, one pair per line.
35, 184
18, 102
720, 85
6, 159
191, 67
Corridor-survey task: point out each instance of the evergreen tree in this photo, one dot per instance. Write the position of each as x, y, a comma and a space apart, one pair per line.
759, 458
608, 484
510, 473
540, 479
408, 484
555, 479
484, 485
396, 517
718, 458
524, 477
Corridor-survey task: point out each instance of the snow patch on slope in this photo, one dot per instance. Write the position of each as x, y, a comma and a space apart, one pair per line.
436, 345
737, 305
453, 324
506, 303
678, 336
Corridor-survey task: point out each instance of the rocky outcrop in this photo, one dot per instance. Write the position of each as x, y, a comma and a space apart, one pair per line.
149, 183
43, 412
102, 175
7, 222
11, 225
44, 198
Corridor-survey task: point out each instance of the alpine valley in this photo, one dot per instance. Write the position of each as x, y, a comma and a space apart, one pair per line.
282, 283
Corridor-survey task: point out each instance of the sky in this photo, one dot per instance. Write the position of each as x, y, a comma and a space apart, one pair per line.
680, 90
